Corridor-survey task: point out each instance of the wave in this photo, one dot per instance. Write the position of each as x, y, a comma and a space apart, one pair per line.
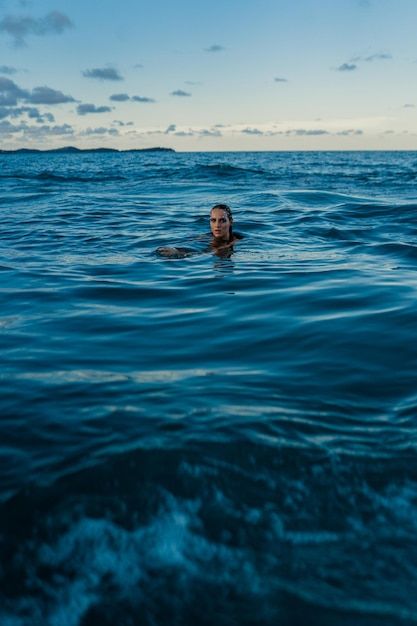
220, 534
60, 178
219, 440
220, 171
397, 250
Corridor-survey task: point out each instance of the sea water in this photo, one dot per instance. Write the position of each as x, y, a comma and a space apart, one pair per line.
216, 439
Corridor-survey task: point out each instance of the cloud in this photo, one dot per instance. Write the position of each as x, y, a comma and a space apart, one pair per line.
4, 112
31, 112
209, 133
180, 93
40, 132
142, 99
379, 56
119, 97
64, 129
46, 95
6, 69
409, 106
303, 131
351, 65
252, 131
124, 97
44, 116
19, 27
102, 130
105, 73
347, 67
214, 48
186, 132
9, 112
7, 128
280, 80
10, 93
191, 132
351, 131
120, 123
84, 109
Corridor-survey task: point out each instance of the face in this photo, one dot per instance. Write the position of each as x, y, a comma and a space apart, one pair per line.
220, 224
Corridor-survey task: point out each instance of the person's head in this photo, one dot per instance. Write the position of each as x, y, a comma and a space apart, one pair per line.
221, 221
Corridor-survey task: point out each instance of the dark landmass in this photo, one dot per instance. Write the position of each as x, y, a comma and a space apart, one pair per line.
72, 150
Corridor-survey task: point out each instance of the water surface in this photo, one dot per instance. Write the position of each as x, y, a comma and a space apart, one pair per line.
214, 439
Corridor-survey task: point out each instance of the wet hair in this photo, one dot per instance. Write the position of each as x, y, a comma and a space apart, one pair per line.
226, 208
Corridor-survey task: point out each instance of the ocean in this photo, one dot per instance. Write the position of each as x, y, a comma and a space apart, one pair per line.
216, 439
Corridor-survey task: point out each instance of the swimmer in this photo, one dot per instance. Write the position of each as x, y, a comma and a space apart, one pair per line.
221, 225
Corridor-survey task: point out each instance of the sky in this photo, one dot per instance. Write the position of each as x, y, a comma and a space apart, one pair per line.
220, 76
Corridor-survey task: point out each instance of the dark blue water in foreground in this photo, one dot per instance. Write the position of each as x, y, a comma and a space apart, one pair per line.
214, 439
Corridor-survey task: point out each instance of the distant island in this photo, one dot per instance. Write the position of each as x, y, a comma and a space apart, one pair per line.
72, 150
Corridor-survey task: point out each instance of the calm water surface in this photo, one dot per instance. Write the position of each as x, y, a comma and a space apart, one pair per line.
214, 439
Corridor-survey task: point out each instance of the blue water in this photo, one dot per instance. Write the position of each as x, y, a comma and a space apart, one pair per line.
216, 439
